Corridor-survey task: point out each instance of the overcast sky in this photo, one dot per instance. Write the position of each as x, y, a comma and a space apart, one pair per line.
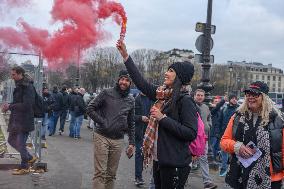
251, 30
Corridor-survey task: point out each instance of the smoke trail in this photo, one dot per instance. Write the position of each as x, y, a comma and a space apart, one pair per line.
81, 29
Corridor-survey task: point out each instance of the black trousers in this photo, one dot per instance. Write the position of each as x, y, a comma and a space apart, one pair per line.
169, 177
276, 185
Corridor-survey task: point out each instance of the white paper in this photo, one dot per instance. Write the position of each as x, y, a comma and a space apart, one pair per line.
247, 162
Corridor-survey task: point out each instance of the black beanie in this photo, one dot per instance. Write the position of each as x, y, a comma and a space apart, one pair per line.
184, 71
124, 73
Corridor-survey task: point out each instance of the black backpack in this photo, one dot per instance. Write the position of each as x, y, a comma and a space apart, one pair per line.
38, 106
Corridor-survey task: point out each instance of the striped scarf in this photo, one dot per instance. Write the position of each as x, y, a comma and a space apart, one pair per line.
150, 136
152, 127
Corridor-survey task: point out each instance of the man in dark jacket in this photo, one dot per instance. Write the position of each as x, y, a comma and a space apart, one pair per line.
64, 108
227, 113
47, 102
79, 111
142, 109
21, 120
56, 110
113, 111
73, 98
215, 135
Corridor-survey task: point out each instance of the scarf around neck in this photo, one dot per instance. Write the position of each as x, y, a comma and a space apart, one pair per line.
163, 96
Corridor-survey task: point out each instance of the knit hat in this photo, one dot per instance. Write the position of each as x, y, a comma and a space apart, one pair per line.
184, 71
123, 73
257, 87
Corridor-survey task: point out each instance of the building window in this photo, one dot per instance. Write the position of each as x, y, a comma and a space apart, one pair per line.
273, 85
268, 83
273, 89
279, 90
279, 84
274, 78
279, 78
268, 78
263, 78
257, 77
265, 69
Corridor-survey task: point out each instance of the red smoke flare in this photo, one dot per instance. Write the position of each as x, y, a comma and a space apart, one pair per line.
81, 29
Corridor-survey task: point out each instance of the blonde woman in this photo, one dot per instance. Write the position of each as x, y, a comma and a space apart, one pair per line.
254, 138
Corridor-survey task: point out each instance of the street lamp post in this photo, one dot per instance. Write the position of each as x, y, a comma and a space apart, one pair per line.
230, 79
238, 85
78, 68
206, 48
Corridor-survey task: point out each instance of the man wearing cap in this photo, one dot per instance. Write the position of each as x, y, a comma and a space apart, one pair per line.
226, 114
255, 134
113, 111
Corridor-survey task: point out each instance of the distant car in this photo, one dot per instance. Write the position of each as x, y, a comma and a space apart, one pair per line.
241, 100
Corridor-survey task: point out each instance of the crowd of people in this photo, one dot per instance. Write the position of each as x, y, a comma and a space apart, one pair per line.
246, 141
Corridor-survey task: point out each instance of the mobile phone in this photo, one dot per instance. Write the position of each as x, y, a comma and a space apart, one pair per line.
251, 146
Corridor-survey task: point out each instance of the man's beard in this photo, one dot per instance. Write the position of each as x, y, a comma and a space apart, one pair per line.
123, 93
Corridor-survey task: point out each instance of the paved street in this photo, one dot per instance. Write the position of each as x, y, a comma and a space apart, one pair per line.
70, 166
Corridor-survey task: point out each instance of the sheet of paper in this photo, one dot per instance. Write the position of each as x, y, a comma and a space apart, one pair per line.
247, 162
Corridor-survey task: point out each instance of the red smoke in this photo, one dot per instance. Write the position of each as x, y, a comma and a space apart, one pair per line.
81, 29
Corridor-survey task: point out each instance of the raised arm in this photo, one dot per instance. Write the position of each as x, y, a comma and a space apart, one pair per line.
147, 88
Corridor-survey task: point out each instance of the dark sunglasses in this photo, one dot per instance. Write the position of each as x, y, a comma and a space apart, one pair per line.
255, 95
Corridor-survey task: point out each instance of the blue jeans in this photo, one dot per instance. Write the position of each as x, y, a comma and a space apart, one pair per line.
78, 123
215, 146
45, 122
72, 124
63, 116
18, 141
224, 164
53, 122
138, 159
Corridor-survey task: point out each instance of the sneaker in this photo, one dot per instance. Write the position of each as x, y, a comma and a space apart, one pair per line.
223, 173
194, 167
139, 182
32, 160
60, 132
20, 172
210, 185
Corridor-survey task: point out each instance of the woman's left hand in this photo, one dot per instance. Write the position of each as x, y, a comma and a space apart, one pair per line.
156, 113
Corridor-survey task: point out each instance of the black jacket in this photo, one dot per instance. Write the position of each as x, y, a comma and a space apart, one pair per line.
73, 99
22, 114
65, 100
47, 102
226, 114
176, 130
58, 101
142, 108
216, 114
80, 103
113, 114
